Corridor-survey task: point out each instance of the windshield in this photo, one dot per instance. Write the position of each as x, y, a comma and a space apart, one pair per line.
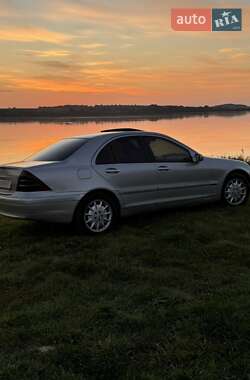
59, 151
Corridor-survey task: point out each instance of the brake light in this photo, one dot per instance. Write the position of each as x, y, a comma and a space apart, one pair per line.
29, 182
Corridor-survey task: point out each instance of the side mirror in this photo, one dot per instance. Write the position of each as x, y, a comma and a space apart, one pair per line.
196, 158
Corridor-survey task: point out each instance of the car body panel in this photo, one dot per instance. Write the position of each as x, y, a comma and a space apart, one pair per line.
40, 206
136, 183
188, 179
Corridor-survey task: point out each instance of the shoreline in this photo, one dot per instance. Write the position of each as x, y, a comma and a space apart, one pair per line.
120, 118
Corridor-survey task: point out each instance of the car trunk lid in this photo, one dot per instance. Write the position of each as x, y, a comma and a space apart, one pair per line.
10, 173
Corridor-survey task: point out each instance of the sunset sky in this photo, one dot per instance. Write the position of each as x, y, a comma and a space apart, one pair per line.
118, 51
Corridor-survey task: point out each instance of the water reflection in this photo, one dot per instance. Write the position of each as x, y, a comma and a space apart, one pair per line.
213, 134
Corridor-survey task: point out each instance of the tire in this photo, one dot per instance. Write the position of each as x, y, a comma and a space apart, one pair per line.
96, 214
235, 190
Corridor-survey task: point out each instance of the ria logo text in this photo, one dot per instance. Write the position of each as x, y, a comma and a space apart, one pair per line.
205, 19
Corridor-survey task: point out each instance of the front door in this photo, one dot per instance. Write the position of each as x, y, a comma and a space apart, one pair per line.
179, 178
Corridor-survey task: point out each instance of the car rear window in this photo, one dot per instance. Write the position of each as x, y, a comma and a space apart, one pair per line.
59, 151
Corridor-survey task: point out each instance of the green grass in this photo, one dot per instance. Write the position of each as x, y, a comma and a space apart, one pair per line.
162, 297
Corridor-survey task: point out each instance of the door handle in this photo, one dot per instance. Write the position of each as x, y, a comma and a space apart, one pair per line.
112, 171
163, 168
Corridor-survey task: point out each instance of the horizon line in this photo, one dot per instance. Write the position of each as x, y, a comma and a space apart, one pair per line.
125, 105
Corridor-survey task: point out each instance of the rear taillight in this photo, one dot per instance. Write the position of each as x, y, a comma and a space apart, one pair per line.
29, 182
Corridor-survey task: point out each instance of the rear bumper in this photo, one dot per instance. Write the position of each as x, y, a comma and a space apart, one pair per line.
49, 207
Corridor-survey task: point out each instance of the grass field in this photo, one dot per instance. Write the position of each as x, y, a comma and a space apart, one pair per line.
162, 297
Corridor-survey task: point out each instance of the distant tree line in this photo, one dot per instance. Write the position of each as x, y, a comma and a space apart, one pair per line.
115, 111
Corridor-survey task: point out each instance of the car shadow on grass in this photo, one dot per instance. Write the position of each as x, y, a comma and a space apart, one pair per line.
142, 219
41, 229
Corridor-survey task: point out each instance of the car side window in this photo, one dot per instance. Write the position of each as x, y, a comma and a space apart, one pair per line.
105, 156
123, 150
166, 151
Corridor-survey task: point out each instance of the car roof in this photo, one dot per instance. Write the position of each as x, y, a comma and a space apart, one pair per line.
118, 133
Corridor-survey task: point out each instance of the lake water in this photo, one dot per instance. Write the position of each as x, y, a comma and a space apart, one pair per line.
213, 135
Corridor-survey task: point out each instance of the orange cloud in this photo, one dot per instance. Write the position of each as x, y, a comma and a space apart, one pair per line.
99, 63
119, 15
92, 46
63, 85
32, 34
227, 50
48, 53
235, 55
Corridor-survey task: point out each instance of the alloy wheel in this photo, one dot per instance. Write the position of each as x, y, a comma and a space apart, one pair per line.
236, 191
98, 215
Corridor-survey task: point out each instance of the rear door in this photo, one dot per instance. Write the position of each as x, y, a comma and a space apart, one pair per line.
179, 178
124, 164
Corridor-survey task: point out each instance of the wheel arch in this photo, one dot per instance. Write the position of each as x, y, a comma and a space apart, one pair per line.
99, 191
235, 172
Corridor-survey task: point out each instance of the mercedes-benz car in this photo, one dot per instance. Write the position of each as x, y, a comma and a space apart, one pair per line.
93, 180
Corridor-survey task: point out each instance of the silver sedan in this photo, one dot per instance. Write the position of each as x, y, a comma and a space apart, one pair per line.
92, 180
